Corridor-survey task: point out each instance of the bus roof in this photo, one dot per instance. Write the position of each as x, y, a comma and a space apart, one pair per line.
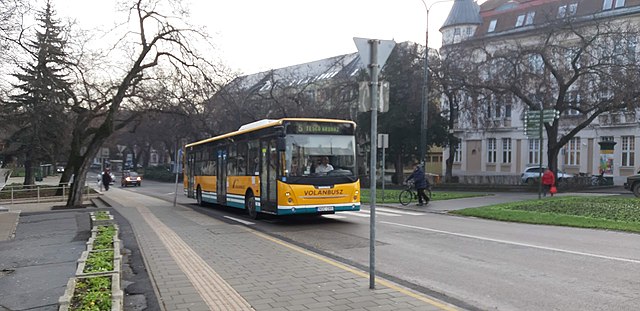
261, 124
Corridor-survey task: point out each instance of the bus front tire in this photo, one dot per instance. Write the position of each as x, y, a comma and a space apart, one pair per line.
250, 206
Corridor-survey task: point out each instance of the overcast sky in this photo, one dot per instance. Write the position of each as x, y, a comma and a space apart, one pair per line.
258, 35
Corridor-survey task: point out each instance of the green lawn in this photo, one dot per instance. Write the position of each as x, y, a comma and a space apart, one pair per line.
391, 195
609, 212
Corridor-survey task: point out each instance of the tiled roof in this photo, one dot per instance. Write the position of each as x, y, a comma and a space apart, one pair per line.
463, 12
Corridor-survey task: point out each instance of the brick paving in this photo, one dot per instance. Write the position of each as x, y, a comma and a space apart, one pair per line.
199, 263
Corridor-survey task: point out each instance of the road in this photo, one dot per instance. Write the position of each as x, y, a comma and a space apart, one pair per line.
472, 262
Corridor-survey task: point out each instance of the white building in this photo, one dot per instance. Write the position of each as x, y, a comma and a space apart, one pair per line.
491, 128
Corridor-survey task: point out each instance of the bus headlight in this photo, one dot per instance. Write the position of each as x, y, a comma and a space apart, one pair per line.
290, 200
287, 194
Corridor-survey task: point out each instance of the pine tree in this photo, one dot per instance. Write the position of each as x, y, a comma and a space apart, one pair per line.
38, 108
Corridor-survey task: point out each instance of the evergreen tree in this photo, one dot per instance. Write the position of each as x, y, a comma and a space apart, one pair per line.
38, 107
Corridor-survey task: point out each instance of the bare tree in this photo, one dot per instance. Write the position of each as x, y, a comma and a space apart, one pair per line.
161, 45
580, 70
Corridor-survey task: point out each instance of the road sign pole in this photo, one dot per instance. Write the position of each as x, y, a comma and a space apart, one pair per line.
540, 173
372, 176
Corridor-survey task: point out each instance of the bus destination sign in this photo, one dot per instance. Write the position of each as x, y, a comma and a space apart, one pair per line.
320, 128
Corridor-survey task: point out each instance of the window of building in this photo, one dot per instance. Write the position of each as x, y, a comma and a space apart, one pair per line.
469, 31
507, 111
567, 10
492, 25
628, 151
606, 138
612, 4
534, 151
520, 20
506, 150
573, 99
562, 11
572, 152
491, 150
457, 156
456, 31
529, 19
573, 9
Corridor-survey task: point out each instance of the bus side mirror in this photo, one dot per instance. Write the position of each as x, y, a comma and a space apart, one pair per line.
281, 144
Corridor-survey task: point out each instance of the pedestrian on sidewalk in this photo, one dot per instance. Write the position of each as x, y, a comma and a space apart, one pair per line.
548, 180
420, 182
106, 179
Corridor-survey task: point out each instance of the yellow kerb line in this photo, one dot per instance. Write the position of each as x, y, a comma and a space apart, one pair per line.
356, 272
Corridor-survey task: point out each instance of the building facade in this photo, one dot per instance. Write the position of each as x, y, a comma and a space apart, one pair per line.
567, 56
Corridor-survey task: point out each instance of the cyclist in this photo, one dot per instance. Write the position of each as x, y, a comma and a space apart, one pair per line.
421, 184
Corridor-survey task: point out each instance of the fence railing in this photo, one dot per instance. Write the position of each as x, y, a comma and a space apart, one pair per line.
39, 193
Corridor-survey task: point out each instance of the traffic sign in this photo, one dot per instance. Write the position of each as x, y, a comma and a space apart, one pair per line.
364, 50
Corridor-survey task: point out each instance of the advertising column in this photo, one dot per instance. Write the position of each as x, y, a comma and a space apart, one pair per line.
605, 167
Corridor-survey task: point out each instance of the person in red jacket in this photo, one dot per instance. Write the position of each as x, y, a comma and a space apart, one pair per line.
548, 180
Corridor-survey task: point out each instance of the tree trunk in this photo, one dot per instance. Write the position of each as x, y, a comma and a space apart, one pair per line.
399, 174
29, 176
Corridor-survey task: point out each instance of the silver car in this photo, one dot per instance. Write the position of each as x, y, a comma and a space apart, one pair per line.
531, 174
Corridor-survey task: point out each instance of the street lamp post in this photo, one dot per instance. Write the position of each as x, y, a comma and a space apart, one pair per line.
424, 109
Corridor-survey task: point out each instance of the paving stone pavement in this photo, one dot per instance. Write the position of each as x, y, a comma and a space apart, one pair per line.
200, 263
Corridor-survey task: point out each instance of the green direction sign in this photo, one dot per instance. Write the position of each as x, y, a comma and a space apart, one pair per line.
548, 115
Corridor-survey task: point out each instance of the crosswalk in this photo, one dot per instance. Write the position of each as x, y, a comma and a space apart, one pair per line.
380, 211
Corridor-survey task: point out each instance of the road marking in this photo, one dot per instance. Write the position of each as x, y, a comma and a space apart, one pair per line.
379, 213
515, 243
418, 296
242, 221
214, 290
393, 210
355, 214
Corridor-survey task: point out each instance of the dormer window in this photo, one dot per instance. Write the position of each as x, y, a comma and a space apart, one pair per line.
520, 20
530, 16
567, 10
612, 4
492, 25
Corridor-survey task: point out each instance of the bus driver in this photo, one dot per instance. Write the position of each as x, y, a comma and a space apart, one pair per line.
324, 166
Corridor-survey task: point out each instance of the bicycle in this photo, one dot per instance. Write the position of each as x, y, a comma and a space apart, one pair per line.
410, 194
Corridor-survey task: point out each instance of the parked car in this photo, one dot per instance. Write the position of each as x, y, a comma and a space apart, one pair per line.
531, 174
633, 184
130, 179
60, 169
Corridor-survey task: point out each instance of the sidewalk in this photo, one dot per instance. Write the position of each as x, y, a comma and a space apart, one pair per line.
193, 262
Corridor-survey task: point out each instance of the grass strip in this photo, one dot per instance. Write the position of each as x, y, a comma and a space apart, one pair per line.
608, 212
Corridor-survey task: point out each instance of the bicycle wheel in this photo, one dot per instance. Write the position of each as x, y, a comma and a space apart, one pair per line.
405, 197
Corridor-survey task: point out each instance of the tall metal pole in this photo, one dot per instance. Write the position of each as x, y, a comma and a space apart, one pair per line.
374, 67
424, 111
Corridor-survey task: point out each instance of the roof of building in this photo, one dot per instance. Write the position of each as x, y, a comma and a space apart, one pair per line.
328, 68
463, 12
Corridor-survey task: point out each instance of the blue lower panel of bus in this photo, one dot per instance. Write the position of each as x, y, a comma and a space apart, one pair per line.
326, 208
233, 200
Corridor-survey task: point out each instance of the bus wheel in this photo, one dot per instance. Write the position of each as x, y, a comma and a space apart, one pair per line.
250, 206
199, 196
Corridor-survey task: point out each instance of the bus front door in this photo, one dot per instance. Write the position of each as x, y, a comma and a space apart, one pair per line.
268, 181
221, 183
191, 173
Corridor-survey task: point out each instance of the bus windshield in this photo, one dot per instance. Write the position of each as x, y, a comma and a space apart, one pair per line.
305, 155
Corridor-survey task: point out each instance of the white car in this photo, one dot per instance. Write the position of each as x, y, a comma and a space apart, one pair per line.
531, 174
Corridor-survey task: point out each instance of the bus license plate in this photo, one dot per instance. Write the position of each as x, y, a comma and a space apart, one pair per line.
325, 208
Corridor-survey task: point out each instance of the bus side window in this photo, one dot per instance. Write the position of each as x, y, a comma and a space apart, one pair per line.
253, 158
242, 155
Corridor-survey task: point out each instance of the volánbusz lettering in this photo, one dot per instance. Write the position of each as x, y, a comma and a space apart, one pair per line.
324, 192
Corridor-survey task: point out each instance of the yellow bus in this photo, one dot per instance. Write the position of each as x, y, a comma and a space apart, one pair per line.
275, 167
